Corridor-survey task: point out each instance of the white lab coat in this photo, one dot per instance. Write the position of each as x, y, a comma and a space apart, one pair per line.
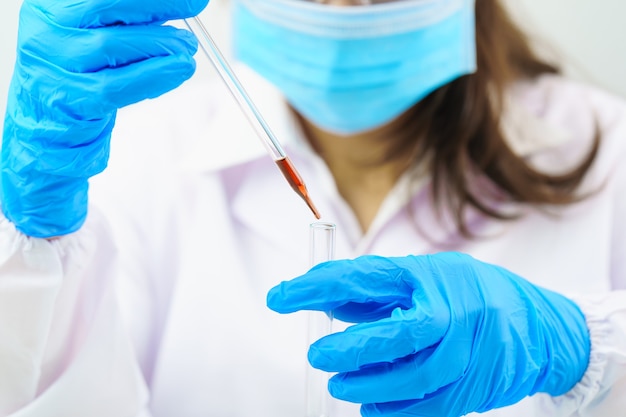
156, 307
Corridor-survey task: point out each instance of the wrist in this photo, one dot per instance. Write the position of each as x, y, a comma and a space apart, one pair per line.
567, 342
44, 170
54, 208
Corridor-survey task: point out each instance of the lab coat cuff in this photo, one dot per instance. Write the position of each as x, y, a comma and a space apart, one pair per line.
606, 321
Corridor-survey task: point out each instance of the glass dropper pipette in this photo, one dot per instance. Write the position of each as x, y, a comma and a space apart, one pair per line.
210, 49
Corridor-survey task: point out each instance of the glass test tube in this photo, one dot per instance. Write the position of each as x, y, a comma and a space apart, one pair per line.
322, 249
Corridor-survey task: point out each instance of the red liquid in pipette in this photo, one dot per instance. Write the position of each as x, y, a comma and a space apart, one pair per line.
294, 179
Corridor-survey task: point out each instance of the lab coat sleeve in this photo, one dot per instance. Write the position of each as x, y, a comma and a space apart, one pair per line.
602, 390
63, 349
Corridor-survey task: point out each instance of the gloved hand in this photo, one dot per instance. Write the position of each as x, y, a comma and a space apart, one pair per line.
78, 61
438, 335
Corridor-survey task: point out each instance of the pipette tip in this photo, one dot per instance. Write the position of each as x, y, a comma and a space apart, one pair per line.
312, 207
296, 183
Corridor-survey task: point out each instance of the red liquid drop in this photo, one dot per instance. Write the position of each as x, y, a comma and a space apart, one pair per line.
294, 179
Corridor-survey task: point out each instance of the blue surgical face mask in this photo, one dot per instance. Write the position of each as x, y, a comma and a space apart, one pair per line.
352, 69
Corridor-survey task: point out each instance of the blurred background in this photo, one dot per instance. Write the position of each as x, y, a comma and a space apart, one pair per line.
587, 36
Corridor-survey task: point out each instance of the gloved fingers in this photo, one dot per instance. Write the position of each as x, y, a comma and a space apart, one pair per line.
446, 402
367, 312
403, 334
143, 62
98, 13
151, 78
411, 377
82, 51
91, 96
376, 283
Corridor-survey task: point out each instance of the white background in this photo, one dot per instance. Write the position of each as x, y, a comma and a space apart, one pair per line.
588, 35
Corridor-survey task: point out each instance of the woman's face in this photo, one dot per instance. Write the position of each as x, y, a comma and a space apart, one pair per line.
351, 69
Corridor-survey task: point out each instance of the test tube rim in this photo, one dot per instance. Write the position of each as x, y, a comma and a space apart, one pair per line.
323, 225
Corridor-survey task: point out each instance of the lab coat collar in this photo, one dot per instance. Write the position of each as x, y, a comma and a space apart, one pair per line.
278, 213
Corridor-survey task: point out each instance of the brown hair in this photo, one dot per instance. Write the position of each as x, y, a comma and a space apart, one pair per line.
474, 147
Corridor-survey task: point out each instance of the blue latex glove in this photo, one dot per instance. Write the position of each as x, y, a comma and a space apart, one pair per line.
438, 335
78, 61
